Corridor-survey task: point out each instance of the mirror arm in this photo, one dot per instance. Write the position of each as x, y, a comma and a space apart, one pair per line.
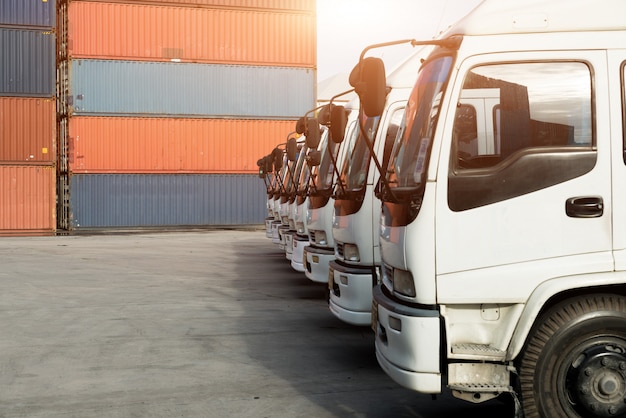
272, 184
343, 93
311, 183
452, 42
384, 44
332, 157
336, 169
281, 185
382, 173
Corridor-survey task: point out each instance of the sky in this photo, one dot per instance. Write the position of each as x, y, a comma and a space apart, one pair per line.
345, 27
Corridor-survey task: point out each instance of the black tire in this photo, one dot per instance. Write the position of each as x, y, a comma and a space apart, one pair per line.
574, 362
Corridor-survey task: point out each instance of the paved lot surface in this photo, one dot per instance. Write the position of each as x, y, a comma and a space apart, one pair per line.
184, 324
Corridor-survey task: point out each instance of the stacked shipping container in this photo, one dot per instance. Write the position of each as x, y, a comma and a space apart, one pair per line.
27, 117
164, 107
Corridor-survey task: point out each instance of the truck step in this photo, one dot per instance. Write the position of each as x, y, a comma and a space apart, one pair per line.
480, 388
478, 351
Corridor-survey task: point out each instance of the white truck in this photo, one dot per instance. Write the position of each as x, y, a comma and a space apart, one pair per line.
503, 224
321, 249
354, 271
300, 238
266, 172
296, 153
278, 160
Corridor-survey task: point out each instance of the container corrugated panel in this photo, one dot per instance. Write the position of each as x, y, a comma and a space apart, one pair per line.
182, 89
289, 5
169, 145
40, 13
165, 200
27, 199
27, 62
27, 130
166, 33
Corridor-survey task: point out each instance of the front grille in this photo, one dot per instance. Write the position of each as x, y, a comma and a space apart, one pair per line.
339, 247
387, 272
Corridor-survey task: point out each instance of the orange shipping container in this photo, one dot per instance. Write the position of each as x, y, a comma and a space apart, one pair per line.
27, 130
27, 200
170, 33
305, 5
169, 145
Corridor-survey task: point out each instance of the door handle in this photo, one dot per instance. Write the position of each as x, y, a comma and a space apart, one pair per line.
584, 207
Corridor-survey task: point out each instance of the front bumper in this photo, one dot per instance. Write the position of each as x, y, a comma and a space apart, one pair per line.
407, 343
268, 226
275, 234
297, 256
282, 230
316, 262
351, 292
288, 237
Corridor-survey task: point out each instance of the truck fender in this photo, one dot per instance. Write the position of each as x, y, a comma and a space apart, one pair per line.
543, 295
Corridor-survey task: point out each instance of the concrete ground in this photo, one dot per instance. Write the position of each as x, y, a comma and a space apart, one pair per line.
184, 324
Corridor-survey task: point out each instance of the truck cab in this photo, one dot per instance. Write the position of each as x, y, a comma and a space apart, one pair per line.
321, 249
296, 150
299, 208
354, 271
279, 161
266, 172
503, 227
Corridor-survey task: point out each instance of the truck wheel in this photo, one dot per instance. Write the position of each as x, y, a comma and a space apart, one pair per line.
574, 362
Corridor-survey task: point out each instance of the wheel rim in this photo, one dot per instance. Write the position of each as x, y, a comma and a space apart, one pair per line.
595, 378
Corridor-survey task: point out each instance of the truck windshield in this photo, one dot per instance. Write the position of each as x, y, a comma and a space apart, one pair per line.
409, 159
356, 164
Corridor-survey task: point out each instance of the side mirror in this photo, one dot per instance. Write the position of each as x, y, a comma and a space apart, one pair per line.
314, 158
292, 149
368, 80
301, 125
324, 114
338, 122
312, 134
277, 155
268, 163
261, 164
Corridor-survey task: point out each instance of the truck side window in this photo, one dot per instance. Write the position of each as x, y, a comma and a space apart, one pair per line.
520, 127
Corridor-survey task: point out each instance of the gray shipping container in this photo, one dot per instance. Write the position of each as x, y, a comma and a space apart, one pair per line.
27, 62
40, 13
165, 200
102, 87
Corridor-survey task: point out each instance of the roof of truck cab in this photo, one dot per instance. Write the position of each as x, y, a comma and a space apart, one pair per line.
492, 17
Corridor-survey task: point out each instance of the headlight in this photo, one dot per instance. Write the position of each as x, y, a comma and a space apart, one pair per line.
320, 238
300, 227
284, 220
351, 252
403, 282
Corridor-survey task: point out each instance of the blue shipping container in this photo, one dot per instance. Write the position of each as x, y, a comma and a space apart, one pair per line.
143, 200
144, 88
27, 62
41, 13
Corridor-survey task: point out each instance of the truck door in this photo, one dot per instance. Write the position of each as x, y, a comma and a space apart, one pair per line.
534, 202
